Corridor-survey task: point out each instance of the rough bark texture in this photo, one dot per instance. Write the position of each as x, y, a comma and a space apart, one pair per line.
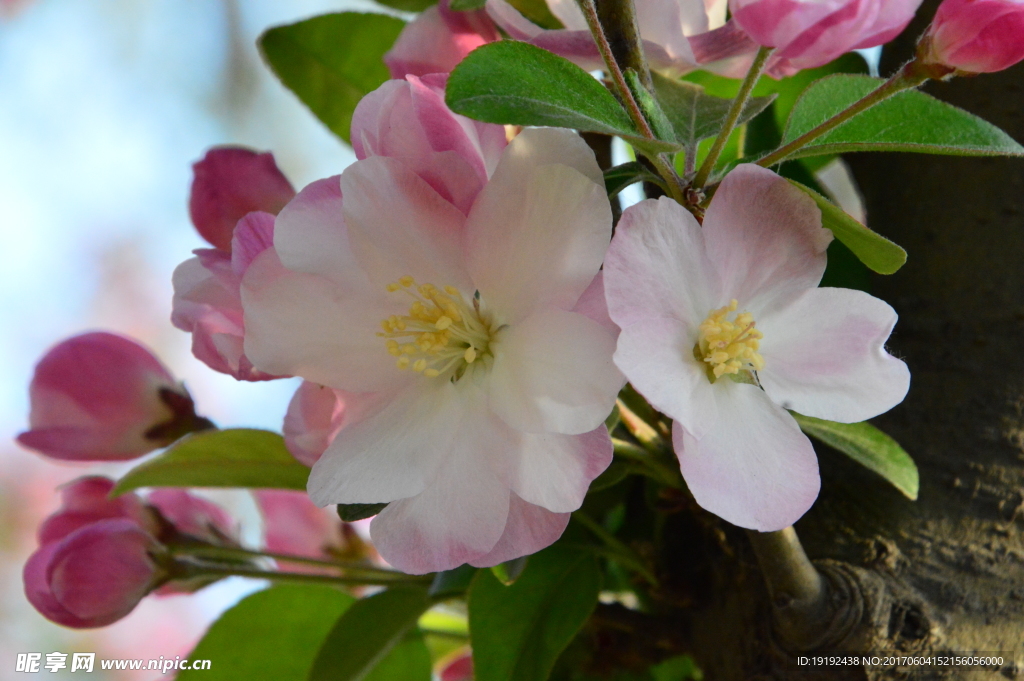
944, 574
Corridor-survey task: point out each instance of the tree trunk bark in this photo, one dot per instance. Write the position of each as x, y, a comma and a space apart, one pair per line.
944, 574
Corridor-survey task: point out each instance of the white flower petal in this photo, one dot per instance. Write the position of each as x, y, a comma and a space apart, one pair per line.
555, 471
754, 468
529, 529
393, 454
399, 226
539, 229
765, 238
657, 357
301, 325
656, 266
825, 356
553, 372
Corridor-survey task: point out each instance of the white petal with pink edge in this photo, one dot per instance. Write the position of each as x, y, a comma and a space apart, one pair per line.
825, 356
754, 467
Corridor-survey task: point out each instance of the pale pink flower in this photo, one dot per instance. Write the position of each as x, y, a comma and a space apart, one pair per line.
104, 397
437, 40
314, 417
679, 35
228, 184
976, 36
488, 394
408, 120
811, 33
723, 329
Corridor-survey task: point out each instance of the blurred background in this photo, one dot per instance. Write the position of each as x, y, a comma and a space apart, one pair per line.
104, 106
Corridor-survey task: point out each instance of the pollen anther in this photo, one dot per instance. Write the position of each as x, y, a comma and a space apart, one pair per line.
729, 346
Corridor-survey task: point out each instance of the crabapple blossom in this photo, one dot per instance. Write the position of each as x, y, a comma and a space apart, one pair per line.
723, 329
678, 35
438, 39
463, 344
228, 184
807, 34
94, 576
314, 417
976, 36
104, 397
235, 194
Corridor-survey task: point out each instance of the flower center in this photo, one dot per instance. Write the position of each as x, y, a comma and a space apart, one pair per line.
442, 334
729, 347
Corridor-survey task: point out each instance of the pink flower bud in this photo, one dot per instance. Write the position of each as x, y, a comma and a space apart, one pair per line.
294, 525
807, 34
229, 183
437, 40
207, 300
458, 669
409, 120
94, 576
103, 397
314, 417
976, 36
193, 515
86, 501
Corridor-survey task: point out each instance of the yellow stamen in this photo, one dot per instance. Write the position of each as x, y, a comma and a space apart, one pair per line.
729, 347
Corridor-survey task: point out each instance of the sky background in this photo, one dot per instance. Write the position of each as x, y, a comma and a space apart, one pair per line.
104, 106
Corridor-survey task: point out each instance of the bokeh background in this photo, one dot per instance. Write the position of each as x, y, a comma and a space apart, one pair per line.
104, 106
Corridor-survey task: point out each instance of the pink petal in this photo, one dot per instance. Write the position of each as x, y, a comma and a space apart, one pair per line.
253, 234
528, 529
656, 355
302, 325
980, 36
656, 266
766, 240
555, 471
39, 593
753, 468
293, 525
310, 235
193, 515
553, 373
592, 304
825, 356
85, 501
429, 44
314, 417
399, 226
539, 230
230, 182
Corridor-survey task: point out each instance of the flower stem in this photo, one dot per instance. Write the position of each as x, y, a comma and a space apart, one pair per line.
646, 460
214, 552
631, 48
617, 550
910, 76
735, 110
302, 577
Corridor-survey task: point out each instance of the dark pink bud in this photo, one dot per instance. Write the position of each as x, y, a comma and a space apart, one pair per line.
229, 183
94, 576
193, 515
86, 501
103, 397
975, 36
459, 669
314, 417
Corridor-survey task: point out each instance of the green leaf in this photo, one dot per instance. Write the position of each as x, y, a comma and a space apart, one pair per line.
696, 115
272, 634
613, 475
367, 632
869, 447
908, 121
332, 61
621, 176
681, 668
353, 512
237, 457
466, 5
509, 571
650, 107
515, 83
518, 631
408, 5
408, 661
873, 249
450, 583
